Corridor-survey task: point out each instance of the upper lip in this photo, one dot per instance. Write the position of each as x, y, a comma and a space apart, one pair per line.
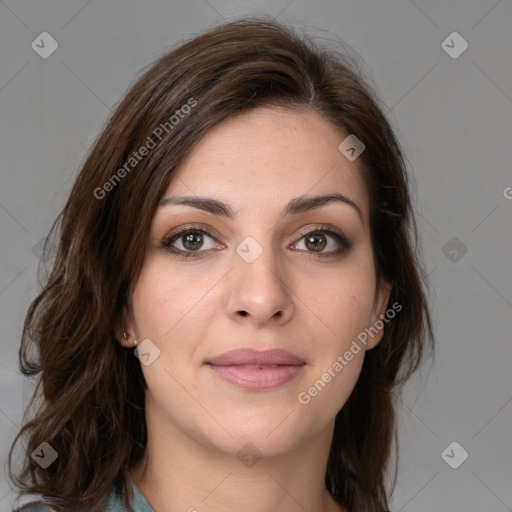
255, 357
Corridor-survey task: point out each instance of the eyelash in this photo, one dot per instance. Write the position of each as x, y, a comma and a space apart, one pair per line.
344, 243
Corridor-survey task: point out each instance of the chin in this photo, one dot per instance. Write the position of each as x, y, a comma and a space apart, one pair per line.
265, 436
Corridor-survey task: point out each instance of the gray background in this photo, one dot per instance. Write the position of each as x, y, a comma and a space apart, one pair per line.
454, 118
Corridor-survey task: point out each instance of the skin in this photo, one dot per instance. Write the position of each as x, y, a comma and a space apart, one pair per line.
288, 297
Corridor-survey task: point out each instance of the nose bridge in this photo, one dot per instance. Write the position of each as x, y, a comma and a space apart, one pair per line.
259, 289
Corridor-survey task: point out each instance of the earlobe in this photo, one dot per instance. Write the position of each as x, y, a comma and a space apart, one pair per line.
124, 330
379, 310
383, 298
123, 337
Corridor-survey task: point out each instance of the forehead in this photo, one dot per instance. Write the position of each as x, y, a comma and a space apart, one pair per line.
267, 156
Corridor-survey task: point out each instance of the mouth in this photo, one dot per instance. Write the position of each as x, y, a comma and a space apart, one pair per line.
256, 370
250, 356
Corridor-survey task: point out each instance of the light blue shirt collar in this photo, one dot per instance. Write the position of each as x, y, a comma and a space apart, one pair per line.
140, 504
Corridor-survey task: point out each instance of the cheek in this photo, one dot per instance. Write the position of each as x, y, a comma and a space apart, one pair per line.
165, 302
340, 305
344, 304
329, 387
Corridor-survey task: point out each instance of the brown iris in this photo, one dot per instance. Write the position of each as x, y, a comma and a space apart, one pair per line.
193, 241
315, 241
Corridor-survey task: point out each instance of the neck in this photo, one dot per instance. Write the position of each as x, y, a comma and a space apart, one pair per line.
184, 474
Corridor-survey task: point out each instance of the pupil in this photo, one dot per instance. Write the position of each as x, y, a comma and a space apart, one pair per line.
189, 241
314, 239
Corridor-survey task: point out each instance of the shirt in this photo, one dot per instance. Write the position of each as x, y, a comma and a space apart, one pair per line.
140, 503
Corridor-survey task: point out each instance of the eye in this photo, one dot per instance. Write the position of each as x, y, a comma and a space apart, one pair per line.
189, 242
194, 242
323, 243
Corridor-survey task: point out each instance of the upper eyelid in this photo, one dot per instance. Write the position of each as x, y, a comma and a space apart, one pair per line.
329, 230
192, 227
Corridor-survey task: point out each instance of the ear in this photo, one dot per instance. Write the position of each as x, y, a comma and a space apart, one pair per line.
380, 304
124, 330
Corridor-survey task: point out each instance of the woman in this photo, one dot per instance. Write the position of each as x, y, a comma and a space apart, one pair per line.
236, 294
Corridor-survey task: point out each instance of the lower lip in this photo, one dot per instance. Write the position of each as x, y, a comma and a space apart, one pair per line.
257, 378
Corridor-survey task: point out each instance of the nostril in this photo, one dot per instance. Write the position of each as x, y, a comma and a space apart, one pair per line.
244, 313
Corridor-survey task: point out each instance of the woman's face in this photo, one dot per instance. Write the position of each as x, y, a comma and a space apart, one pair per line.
261, 268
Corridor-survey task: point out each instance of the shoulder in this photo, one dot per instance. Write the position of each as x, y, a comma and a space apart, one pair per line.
38, 506
113, 504
34, 506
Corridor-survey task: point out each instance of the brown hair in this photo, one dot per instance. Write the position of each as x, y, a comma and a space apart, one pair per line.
89, 400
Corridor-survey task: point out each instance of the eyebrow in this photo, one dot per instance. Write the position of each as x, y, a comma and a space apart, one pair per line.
298, 205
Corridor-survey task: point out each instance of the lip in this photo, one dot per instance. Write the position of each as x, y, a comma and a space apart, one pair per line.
250, 356
256, 370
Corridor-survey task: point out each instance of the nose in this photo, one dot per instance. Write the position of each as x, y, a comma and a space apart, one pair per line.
260, 293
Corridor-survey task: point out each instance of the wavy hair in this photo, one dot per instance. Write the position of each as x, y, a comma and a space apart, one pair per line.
88, 402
